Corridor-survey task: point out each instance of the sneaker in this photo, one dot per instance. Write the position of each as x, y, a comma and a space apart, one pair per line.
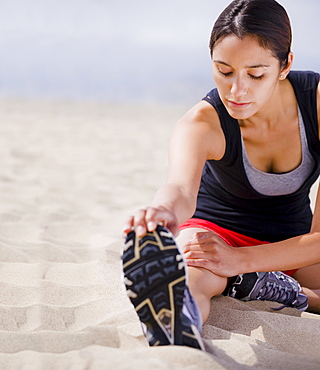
155, 280
268, 286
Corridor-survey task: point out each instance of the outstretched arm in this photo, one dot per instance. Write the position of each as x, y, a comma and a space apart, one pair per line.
196, 138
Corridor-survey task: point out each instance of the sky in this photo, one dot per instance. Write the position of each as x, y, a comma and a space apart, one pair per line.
124, 50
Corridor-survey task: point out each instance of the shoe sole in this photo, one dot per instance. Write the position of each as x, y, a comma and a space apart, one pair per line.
155, 279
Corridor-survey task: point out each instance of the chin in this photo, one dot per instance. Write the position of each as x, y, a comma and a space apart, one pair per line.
239, 114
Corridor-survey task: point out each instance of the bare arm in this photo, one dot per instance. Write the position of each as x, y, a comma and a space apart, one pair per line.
196, 138
289, 254
208, 251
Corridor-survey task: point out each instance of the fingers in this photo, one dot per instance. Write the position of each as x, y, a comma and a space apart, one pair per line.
136, 222
201, 263
151, 219
128, 225
140, 223
148, 219
200, 241
208, 251
195, 255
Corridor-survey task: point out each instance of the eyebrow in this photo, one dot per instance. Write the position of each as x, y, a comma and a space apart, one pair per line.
248, 67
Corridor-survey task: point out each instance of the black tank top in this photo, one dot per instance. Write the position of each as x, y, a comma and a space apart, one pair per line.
226, 197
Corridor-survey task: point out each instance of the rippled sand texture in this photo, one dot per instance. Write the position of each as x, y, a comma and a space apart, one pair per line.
69, 174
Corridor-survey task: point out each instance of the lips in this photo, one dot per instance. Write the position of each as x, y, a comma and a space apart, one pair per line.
239, 105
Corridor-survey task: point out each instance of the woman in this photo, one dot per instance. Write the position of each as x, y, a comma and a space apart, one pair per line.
242, 162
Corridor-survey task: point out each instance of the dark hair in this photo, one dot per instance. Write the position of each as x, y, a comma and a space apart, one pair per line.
265, 20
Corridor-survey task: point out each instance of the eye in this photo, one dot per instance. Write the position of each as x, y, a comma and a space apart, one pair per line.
226, 74
256, 77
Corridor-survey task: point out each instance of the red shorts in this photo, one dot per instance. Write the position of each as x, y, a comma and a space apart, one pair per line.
230, 237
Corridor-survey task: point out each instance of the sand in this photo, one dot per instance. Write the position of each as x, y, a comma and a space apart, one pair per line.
70, 174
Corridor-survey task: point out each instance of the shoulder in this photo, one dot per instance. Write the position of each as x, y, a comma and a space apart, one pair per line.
318, 106
304, 80
307, 86
201, 124
202, 114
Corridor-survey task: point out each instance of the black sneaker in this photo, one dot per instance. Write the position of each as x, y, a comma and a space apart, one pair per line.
268, 286
155, 279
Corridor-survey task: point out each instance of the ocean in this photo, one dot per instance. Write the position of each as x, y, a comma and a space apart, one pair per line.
124, 51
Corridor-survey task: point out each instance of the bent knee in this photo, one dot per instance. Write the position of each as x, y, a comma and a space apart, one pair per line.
204, 282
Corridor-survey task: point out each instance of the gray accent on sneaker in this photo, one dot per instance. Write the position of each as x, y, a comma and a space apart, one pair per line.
270, 286
191, 310
154, 274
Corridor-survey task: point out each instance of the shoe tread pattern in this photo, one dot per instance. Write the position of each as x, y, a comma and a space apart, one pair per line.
154, 273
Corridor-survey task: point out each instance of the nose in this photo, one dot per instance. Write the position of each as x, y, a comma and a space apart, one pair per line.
238, 87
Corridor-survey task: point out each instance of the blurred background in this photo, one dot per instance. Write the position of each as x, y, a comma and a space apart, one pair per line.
123, 51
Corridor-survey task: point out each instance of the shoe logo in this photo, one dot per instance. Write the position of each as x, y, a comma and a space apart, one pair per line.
233, 292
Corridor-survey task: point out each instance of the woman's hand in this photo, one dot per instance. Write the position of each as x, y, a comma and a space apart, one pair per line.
207, 250
147, 220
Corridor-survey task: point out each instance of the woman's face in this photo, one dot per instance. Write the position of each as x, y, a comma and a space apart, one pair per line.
246, 75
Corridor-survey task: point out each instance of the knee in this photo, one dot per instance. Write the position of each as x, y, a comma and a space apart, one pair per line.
202, 282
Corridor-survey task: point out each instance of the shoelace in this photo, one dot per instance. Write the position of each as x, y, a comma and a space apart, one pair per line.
273, 291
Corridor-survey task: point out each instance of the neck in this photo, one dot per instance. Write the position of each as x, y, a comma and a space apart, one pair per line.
278, 109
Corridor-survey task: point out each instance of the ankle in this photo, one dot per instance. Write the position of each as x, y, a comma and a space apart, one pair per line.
203, 303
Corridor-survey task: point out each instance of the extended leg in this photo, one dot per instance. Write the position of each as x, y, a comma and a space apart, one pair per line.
155, 279
202, 283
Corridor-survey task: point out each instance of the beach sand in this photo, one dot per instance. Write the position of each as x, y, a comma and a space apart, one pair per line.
70, 174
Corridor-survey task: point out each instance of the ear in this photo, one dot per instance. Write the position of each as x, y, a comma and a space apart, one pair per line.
285, 71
